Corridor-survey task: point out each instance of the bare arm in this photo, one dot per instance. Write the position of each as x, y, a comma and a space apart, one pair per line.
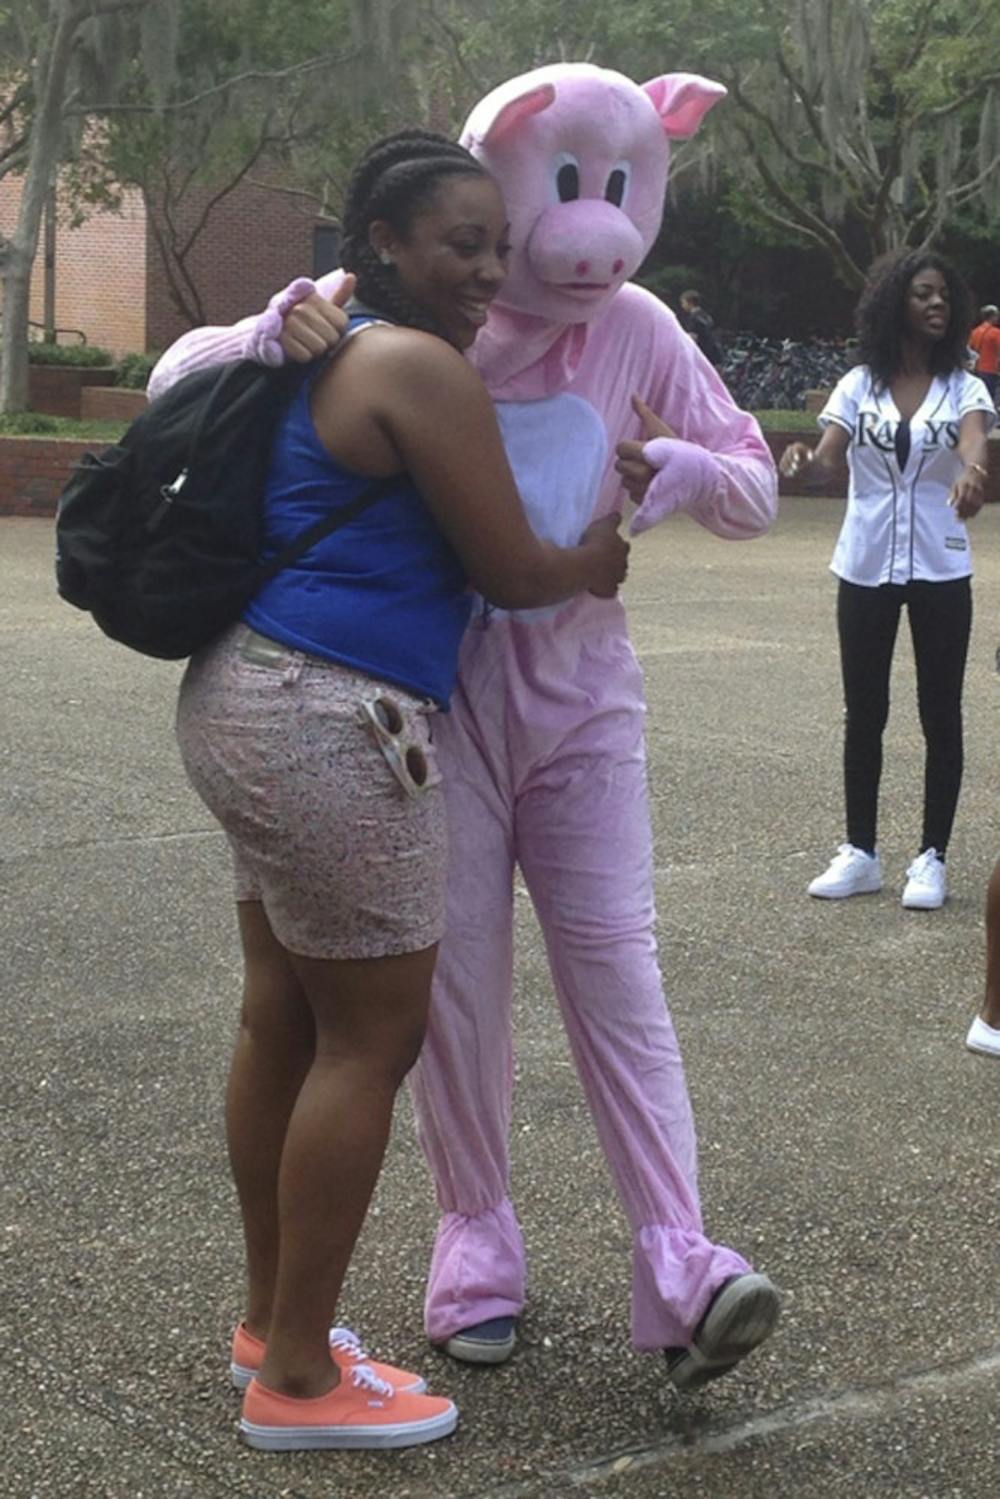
822, 461
399, 398
969, 489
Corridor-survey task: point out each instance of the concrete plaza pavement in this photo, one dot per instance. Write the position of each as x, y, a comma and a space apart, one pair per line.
848, 1141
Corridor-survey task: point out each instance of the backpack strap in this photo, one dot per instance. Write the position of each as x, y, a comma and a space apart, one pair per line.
326, 526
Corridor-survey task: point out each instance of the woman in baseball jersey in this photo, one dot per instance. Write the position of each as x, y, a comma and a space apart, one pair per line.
912, 424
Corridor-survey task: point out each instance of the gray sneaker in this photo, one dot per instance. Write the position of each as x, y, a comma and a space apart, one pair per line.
740, 1316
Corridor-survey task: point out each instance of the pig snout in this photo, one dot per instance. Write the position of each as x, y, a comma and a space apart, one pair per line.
585, 245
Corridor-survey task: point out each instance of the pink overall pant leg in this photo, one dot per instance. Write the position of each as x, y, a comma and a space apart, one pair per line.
584, 844
580, 830
462, 1086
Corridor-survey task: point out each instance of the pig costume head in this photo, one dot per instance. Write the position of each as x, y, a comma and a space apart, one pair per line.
581, 155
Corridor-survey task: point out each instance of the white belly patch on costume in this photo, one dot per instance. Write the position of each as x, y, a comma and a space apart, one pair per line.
557, 449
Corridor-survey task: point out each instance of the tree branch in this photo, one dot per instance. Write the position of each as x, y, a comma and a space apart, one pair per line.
175, 269
11, 156
456, 47
802, 94
83, 9
803, 219
328, 59
975, 92
263, 142
763, 118
966, 190
20, 95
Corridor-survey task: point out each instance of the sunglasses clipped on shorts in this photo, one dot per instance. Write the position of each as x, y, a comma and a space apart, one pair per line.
406, 759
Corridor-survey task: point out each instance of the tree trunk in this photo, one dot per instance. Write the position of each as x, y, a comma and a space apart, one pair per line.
43, 157
14, 346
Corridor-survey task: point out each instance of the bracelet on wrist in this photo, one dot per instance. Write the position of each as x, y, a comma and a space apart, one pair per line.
977, 468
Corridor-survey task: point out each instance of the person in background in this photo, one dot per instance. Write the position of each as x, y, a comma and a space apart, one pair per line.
695, 320
306, 730
912, 423
984, 340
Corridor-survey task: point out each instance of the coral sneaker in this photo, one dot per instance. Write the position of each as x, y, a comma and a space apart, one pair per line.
346, 1350
363, 1411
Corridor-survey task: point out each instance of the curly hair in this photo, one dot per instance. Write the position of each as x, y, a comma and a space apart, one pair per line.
396, 180
881, 315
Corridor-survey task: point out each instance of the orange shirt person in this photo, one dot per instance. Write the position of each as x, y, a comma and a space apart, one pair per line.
984, 340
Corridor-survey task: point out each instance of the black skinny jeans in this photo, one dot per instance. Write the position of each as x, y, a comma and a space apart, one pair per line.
940, 617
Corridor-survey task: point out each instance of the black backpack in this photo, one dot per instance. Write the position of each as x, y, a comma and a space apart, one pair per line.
161, 536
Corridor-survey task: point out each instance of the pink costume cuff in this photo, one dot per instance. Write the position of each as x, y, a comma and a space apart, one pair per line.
686, 475
264, 344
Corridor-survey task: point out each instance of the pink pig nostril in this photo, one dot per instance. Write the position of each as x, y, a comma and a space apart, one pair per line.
582, 267
618, 265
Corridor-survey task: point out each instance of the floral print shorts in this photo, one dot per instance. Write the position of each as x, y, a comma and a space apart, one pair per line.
346, 863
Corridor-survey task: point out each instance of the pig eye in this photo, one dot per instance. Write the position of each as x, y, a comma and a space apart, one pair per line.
617, 184
567, 177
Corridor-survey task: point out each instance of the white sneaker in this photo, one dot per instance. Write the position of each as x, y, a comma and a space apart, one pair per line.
926, 882
983, 1038
852, 872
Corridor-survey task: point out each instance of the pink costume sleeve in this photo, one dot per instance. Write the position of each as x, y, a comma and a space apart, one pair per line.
252, 338
721, 472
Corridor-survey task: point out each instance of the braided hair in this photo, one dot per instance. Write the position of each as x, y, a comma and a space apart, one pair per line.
395, 180
881, 315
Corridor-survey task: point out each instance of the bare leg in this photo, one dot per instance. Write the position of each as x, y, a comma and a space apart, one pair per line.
369, 1018
274, 1051
991, 1006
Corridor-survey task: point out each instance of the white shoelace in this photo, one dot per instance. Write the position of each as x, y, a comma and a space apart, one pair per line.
363, 1377
347, 1341
923, 870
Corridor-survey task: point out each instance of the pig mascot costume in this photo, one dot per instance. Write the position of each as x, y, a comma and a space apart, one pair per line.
542, 754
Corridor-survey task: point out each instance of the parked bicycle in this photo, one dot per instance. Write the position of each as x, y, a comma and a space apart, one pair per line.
766, 374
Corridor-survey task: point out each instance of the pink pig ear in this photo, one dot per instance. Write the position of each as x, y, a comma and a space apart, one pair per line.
516, 111
682, 100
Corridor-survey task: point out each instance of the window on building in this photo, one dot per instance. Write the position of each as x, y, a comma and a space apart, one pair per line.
326, 248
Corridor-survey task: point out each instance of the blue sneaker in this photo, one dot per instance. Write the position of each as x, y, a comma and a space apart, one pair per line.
489, 1342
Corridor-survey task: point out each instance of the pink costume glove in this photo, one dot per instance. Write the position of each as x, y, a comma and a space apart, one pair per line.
686, 475
263, 345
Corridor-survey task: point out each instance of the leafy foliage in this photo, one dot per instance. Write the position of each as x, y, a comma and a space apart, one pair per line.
134, 370
852, 125
75, 356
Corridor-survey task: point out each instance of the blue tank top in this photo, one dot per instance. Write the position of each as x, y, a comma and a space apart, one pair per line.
384, 594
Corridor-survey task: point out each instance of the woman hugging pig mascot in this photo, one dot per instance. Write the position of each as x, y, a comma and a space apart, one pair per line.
542, 754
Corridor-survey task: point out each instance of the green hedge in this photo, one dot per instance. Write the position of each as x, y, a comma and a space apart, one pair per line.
40, 424
74, 355
787, 421
134, 370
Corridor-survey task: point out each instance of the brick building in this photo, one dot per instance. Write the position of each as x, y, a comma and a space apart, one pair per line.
110, 279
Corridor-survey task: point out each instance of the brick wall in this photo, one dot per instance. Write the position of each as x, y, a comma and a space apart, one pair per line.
33, 471
256, 242
58, 391
110, 279
100, 273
